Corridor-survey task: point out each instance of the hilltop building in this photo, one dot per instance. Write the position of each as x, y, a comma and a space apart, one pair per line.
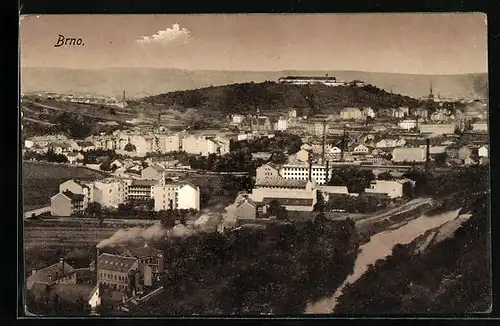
311, 80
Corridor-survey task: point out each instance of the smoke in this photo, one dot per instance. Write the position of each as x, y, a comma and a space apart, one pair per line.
122, 236
180, 231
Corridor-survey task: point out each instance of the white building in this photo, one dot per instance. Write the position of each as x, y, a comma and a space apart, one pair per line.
407, 124
361, 149
281, 124
393, 189
299, 171
176, 196
79, 188
294, 195
109, 192
169, 143
483, 151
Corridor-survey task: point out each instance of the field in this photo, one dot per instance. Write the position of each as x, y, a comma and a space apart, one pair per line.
41, 181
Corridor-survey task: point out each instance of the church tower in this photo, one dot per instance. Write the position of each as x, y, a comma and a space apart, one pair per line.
431, 95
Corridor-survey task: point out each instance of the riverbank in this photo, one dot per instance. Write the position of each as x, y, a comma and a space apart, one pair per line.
379, 247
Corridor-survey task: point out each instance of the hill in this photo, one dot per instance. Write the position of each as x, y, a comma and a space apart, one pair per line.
140, 82
272, 97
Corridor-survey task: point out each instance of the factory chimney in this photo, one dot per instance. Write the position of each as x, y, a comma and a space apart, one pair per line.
324, 143
309, 161
96, 269
427, 151
327, 173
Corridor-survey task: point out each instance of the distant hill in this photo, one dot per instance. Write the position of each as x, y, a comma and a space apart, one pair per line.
273, 97
139, 82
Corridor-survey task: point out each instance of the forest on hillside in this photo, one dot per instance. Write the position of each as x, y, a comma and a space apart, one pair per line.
271, 97
256, 271
452, 277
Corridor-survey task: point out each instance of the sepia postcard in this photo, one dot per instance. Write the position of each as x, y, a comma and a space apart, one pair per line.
255, 165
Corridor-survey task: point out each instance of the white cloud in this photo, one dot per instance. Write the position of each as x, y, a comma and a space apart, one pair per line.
167, 36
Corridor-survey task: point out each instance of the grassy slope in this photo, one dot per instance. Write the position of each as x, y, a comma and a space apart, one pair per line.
41, 181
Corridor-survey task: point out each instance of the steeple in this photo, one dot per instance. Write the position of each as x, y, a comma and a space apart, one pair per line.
431, 95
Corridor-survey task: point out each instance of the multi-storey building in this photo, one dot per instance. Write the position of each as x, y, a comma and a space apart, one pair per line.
118, 272
139, 190
351, 114
169, 143
67, 203
78, 187
300, 171
109, 192
181, 195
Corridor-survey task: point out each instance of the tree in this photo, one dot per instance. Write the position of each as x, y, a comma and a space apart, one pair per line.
385, 176
440, 159
320, 202
94, 209
275, 209
130, 148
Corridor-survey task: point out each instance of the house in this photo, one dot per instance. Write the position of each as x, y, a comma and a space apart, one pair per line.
369, 112
407, 124
153, 172
110, 192
74, 157
361, 149
400, 112
261, 156
281, 124
409, 154
147, 255
118, 273
68, 293
420, 112
351, 114
393, 189
303, 155
181, 195
483, 151
66, 204
480, 126
469, 161
247, 209
261, 124
464, 152
292, 113
117, 163
58, 273
267, 171
292, 204
328, 191
286, 190
390, 143
437, 128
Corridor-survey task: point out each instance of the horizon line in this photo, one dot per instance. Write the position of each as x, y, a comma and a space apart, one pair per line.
260, 71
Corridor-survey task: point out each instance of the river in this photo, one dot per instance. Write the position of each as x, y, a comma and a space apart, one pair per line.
379, 247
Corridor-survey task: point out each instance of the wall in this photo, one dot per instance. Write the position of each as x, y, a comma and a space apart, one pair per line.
60, 205
188, 197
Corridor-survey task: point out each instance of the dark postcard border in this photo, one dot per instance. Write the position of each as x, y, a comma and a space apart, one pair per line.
172, 7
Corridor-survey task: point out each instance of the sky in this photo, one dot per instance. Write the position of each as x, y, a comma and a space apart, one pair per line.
393, 43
